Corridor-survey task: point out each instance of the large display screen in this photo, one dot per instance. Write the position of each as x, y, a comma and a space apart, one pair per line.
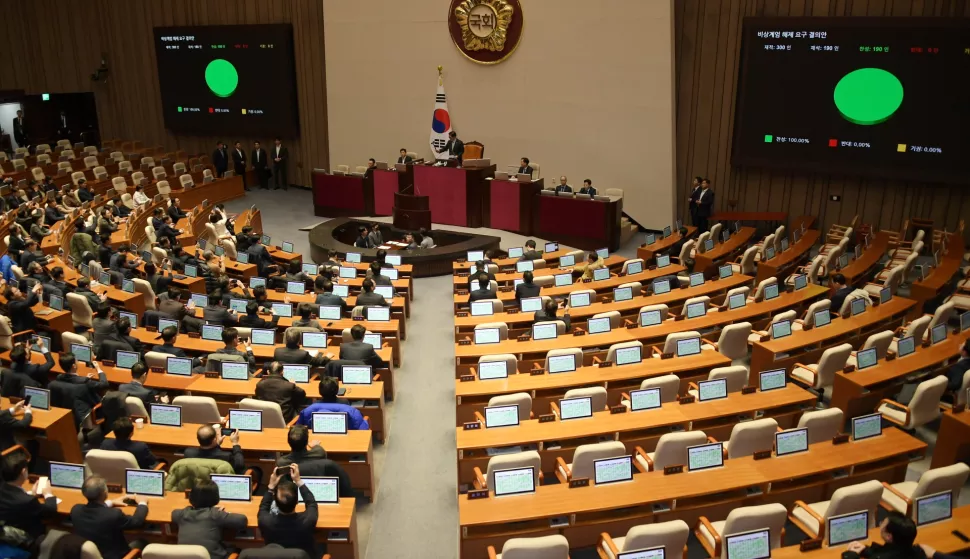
872, 96
228, 79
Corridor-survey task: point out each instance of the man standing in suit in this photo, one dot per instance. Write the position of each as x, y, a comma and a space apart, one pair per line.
63, 130
454, 147
220, 159
563, 186
123, 428
20, 508
259, 164
357, 350
705, 205
692, 199
524, 168
405, 158
103, 522
274, 388
280, 157
19, 131
587, 188
239, 163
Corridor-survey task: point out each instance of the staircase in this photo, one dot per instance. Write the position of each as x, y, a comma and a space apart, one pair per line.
627, 230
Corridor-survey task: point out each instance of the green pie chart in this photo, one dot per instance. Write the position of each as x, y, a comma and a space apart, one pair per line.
221, 77
868, 96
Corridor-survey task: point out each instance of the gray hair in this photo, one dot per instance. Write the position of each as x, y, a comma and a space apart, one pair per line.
94, 488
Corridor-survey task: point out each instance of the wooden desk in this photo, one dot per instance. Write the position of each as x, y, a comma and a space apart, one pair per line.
579, 221
784, 264
549, 257
859, 392
806, 346
753, 312
473, 395
859, 270
953, 440
404, 271
57, 425
353, 451
55, 321
649, 252
723, 251
559, 439
950, 263
602, 286
132, 302
506, 279
586, 512
340, 517
674, 300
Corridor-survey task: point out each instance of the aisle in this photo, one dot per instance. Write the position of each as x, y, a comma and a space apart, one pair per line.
416, 511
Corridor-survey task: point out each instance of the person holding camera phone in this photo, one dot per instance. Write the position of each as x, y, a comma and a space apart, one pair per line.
287, 527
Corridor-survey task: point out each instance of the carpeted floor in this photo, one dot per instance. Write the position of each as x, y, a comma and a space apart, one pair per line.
415, 512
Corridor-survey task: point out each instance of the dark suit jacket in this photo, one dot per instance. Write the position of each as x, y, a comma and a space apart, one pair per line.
8, 427
525, 290
291, 355
21, 316
215, 314
455, 147
20, 510
173, 309
291, 530
275, 388
205, 527
13, 380
530, 255
220, 159
170, 349
77, 393
480, 294
954, 375
141, 452
405, 159
176, 213
371, 299
707, 203
255, 321
140, 391
541, 316
106, 527
591, 191
563, 188
331, 300
838, 298
527, 170
284, 155
238, 160
20, 131
693, 198
359, 351
314, 465
259, 165
233, 457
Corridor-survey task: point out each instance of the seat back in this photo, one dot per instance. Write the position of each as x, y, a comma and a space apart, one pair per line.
158, 173
611, 352
512, 461
894, 278
745, 519
503, 328
701, 239
90, 162
716, 232
779, 235
521, 399
145, 288
37, 173
943, 314
685, 250
164, 188
586, 454
670, 344
596, 394
109, 464
76, 176
759, 292
814, 267
948, 478
669, 386
168, 551
743, 290
752, 436
545, 547
156, 359
733, 341
672, 448
664, 311
135, 406
570, 351
815, 307
769, 242
198, 409
118, 183
748, 260
615, 319
272, 412
628, 263
925, 405
917, 328
822, 425
832, 361
635, 287
68, 338
855, 498
128, 201
706, 299
736, 377
880, 341
81, 311
186, 181
511, 362
671, 535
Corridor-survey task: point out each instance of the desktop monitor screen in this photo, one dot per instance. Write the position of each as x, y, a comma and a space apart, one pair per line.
581, 299
715, 389
629, 355
933, 508
736, 301
603, 252
324, 489
132, 318
801, 282
475, 255
191, 271
748, 545
374, 340
567, 261
329, 312
38, 398
601, 274
697, 278
238, 305
489, 370
295, 287
309, 269
514, 481
260, 336
242, 257
390, 273
379, 314
235, 371
645, 399
697, 309
866, 358
784, 244
105, 277
282, 309
145, 482
246, 420
545, 331
297, 373
233, 487
266, 240
661, 286
486, 336
846, 528
354, 257
524, 266
334, 423
562, 363
866, 426
857, 306
689, 346
128, 286
772, 380
212, 332
791, 441
622, 294
708, 245
530, 304
613, 470
393, 259
81, 352
199, 300
501, 416
650, 318
598, 325
385, 291
705, 456
905, 346
56, 303
179, 366
771, 291
663, 260
166, 414
563, 280
341, 290
515, 252
575, 408
769, 253
938, 334
347, 272
822, 318
314, 340
634, 267
725, 271
356, 374
780, 329
257, 282
550, 247
126, 359
885, 294
651, 238
667, 231
482, 308
68, 476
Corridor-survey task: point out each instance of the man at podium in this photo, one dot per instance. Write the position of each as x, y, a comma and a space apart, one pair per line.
455, 148
524, 168
404, 158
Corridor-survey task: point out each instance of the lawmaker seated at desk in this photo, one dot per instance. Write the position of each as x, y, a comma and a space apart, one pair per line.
286, 527
898, 532
203, 523
329, 402
252, 319
358, 350
958, 375
21, 508
368, 298
593, 262
123, 429
484, 290
548, 313
306, 320
210, 446
312, 459
103, 522
326, 296
273, 387
563, 185
292, 353
587, 188
527, 288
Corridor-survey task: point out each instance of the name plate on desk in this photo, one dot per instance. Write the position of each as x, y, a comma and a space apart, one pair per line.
537, 372
479, 494
810, 545
960, 408
581, 482
471, 426
685, 400
463, 292
670, 470
523, 338
632, 325
678, 317
890, 355
685, 286
461, 260
848, 369
512, 311
505, 289
926, 343
280, 290
667, 355
114, 488
606, 364
151, 329
547, 418
463, 274
107, 363
211, 375
156, 369
461, 314
587, 280
766, 337
464, 342
195, 335
762, 454
578, 332
466, 378
617, 409
749, 390
840, 439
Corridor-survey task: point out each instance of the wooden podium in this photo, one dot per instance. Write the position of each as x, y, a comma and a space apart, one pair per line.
411, 212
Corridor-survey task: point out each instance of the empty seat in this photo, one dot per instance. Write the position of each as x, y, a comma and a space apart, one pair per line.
521, 399
900, 496
671, 450
822, 425
545, 547
750, 437
527, 459
821, 375
503, 328
596, 394
511, 363
583, 458
109, 464
90, 162
735, 377
671, 535
811, 518
923, 408
198, 409
742, 519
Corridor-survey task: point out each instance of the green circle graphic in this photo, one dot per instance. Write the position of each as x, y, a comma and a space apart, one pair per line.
221, 77
868, 96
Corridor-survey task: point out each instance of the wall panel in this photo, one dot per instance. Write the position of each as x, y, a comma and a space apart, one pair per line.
55, 48
707, 45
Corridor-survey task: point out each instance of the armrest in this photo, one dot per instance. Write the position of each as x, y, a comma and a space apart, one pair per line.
16, 448
692, 386
810, 369
133, 554
480, 418
904, 498
639, 452
894, 404
625, 396
606, 540
94, 415
554, 407
711, 439
560, 463
21, 334
818, 518
596, 360
480, 481
293, 421
709, 342
236, 556
160, 467
703, 521
655, 351
627, 322
491, 553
